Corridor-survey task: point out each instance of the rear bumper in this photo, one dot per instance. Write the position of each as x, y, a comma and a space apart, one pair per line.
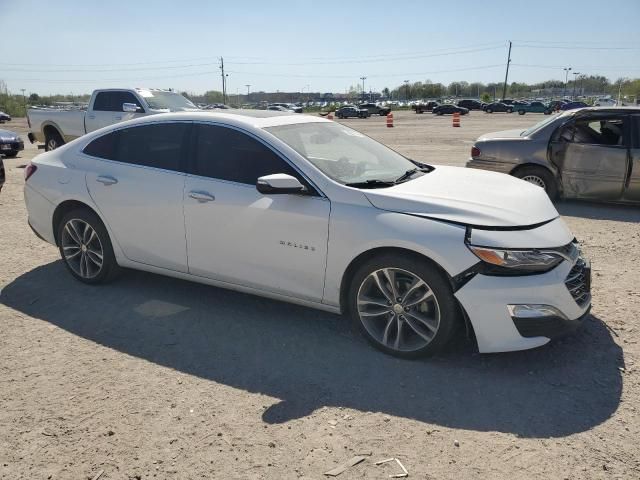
40, 211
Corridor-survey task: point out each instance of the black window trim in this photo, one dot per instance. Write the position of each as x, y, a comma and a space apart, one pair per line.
190, 167
186, 147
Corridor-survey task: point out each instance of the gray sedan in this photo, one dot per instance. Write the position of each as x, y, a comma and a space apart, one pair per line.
591, 153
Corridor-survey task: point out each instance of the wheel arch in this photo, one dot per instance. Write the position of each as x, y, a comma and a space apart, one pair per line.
367, 255
556, 177
51, 127
65, 207
521, 166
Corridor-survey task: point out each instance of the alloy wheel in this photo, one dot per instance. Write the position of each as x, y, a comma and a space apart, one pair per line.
398, 309
536, 180
52, 144
82, 249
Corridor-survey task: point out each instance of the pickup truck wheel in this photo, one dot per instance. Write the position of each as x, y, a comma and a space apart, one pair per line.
540, 177
403, 306
52, 141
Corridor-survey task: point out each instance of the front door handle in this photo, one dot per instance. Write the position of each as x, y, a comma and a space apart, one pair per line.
92, 117
106, 180
118, 118
202, 197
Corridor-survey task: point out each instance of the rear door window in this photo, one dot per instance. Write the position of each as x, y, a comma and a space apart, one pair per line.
104, 101
161, 145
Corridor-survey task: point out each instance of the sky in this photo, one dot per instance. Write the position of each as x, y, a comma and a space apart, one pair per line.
75, 46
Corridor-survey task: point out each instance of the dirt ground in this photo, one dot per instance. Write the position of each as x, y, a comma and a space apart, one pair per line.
152, 377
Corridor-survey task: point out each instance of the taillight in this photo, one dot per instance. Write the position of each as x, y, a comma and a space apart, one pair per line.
475, 152
29, 170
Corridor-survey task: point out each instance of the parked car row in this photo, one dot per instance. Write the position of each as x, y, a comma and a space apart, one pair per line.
4, 117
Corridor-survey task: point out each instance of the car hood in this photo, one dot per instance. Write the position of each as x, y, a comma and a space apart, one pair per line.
8, 135
501, 134
468, 196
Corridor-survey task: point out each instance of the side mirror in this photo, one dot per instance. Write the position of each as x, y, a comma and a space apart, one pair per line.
129, 107
279, 183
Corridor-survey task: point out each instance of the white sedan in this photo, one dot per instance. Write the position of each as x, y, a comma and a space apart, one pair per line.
309, 211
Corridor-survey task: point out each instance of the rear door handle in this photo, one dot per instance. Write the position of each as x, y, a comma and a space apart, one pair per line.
92, 117
202, 197
118, 118
106, 180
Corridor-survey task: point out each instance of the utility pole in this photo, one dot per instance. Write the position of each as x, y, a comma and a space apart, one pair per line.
506, 75
566, 78
24, 101
575, 81
224, 82
363, 79
406, 90
248, 87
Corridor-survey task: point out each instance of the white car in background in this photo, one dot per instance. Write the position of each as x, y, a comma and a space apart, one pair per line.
309, 211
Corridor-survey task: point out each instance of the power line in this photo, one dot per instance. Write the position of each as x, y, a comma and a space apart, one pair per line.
560, 47
210, 72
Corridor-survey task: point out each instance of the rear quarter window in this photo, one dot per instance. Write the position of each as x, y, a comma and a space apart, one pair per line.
103, 147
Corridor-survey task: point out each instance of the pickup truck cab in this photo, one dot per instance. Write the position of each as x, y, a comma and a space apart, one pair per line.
55, 127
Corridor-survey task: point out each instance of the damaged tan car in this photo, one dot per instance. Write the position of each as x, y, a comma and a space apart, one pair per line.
591, 154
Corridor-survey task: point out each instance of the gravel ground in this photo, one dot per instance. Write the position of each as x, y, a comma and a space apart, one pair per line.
152, 377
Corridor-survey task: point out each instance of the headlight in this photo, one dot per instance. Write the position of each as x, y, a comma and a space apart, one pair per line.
516, 262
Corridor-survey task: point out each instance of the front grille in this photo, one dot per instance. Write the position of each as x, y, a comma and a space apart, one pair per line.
579, 282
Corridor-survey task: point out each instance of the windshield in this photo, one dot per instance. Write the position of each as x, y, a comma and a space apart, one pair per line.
159, 100
343, 154
539, 125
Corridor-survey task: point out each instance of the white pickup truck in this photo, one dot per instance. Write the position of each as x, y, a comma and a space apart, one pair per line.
55, 127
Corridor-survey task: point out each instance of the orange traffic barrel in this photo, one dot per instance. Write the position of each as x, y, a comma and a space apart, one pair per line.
389, 120
456, 119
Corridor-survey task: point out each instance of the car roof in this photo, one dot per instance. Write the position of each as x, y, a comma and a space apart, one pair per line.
238, 117
606, 109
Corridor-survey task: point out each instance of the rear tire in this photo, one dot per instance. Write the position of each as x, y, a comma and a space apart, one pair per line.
488, 110
85, 247
521, 112
541, 177
52, 140
422, 323
509, 110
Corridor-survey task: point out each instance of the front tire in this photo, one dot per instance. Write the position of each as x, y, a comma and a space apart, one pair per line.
541, 177
403, 305
509, 110
488, 110
521, 112
85, 247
